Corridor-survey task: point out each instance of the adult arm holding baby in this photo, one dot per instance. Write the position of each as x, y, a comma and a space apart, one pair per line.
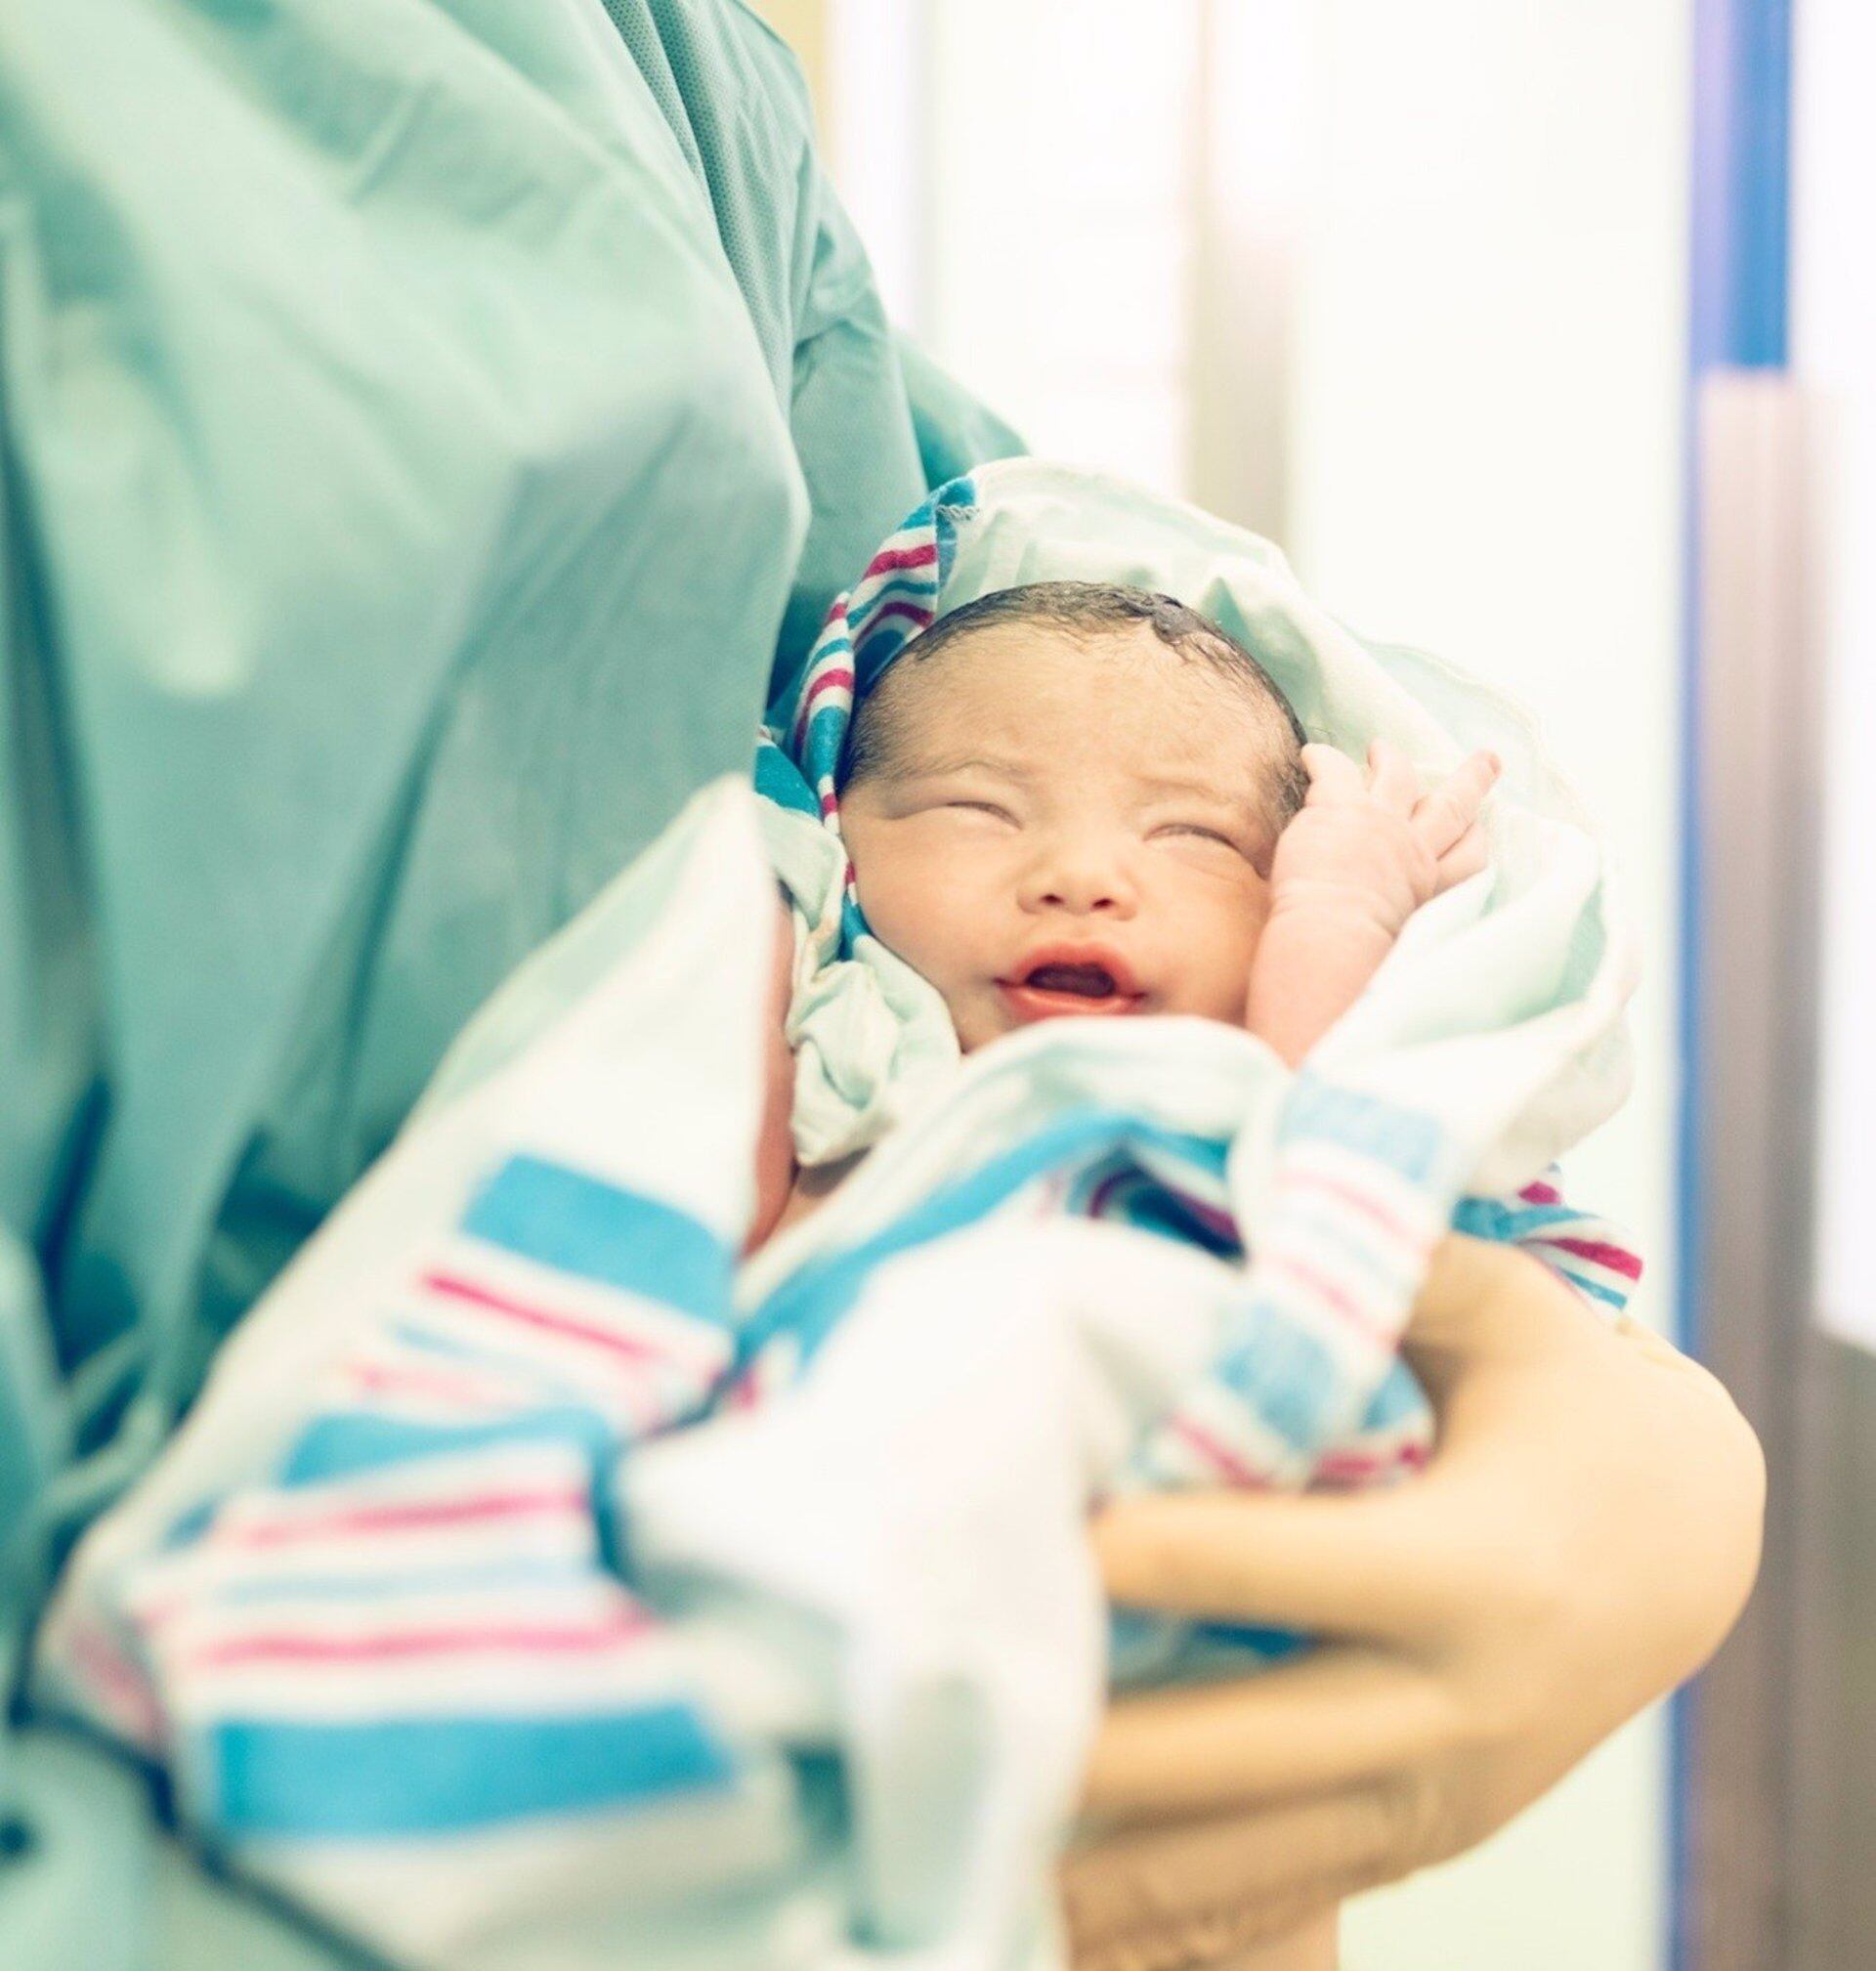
1582, 1540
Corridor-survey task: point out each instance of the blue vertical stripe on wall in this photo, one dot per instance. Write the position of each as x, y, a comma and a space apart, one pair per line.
1741, 182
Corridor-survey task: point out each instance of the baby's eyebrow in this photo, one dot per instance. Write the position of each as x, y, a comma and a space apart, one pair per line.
961, 762
1203, 790
1175, 782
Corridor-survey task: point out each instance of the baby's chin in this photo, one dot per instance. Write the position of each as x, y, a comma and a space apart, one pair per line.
978, 1019
975, 1032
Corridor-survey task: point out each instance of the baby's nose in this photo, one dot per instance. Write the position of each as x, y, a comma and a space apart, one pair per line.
1083, 883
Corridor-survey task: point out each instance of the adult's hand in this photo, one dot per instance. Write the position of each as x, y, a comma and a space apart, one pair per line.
1581, 1542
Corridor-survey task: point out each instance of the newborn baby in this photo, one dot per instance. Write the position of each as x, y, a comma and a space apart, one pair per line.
1075, 799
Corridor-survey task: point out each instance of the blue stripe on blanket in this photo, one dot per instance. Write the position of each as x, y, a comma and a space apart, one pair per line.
343, 1443
1494, 1218
1398, 1398
1405, 1140
1612, 1296
581, 1225
413, 1777
1270, 1646
827, 734
810, 1304
1284, 1375
780, 779
188, 1527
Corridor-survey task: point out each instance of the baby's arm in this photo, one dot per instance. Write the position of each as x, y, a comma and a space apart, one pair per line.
1363, 854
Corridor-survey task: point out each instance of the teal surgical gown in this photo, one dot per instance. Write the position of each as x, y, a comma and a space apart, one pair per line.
424, 432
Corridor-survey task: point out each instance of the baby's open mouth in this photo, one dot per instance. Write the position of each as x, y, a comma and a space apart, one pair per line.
1091, 981
1058, 985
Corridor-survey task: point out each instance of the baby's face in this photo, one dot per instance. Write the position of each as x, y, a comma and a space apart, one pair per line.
1067, 827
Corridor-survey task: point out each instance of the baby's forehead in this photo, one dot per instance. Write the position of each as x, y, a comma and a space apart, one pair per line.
1017, 688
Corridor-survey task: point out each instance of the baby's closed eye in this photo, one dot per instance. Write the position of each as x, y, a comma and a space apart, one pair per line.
1204, 835
1197, 828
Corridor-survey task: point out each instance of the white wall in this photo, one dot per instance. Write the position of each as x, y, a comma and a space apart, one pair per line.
1060, 221
1486, 433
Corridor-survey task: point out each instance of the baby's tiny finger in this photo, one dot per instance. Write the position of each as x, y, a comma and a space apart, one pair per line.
1332, 775
1391, 778
1465, 858
1452, 808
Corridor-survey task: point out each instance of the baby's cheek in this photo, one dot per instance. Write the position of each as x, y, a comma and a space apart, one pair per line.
931, 922
908, 907
1222, 950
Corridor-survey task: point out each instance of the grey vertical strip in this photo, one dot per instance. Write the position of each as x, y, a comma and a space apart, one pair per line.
1833, 1831
1754, 1057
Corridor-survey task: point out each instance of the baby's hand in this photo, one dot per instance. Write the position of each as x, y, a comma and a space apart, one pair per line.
1363, 854
1367, 849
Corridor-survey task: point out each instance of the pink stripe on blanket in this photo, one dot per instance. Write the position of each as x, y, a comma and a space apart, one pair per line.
1337, 1298
475, 1392
1349, 1194
902, 557
454, 1287
1098, 1197
1228, 1463
1208, 1215
1363, 1467
536, 1638
1618, 1258
117, 1683
1541, 1194
401, 1518
840, 678
915, 613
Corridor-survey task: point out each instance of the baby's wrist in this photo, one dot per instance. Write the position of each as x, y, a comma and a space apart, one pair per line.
1315, 958
1339, 913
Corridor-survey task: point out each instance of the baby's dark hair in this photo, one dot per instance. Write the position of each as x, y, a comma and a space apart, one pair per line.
1092, 609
